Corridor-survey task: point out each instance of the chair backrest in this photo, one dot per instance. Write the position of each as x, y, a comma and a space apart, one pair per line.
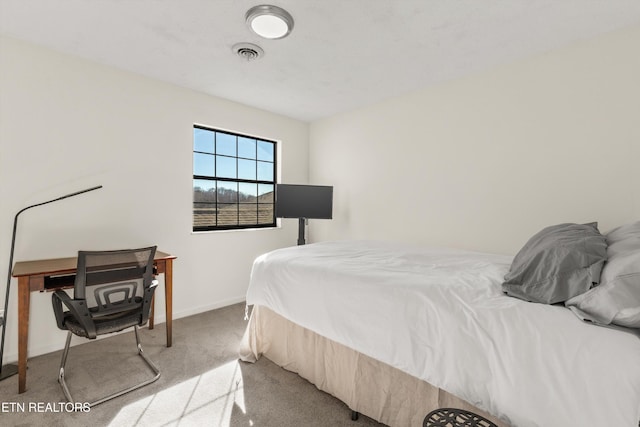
114, 281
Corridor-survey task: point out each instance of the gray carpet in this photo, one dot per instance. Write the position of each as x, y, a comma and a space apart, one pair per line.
202, 383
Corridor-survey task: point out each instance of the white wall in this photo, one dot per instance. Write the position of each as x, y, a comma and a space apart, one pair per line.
486, 161
67, 124
479, 163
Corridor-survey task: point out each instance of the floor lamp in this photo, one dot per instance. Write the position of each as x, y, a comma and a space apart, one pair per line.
9, 370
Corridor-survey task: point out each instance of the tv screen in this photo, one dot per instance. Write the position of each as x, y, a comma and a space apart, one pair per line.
304, 201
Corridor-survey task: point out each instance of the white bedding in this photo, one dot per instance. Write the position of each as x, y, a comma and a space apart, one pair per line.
439, 315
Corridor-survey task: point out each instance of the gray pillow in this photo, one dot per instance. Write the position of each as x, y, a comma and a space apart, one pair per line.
617, 299
557, 263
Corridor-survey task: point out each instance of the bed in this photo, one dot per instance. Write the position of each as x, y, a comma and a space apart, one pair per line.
396, 330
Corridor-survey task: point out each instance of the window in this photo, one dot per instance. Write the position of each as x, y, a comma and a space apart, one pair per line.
234, 179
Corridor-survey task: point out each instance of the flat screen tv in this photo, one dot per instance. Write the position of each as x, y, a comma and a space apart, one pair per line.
304, 201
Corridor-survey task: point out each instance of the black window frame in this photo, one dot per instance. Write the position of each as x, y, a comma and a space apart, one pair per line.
215, 178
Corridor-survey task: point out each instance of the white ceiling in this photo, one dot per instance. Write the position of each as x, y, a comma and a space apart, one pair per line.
342, 54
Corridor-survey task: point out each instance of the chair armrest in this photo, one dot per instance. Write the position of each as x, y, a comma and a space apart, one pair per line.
56, 299
146, 302
78, 310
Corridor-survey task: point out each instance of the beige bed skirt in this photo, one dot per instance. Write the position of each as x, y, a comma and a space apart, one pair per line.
366, 385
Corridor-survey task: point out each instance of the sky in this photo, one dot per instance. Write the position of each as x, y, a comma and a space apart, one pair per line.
215, 156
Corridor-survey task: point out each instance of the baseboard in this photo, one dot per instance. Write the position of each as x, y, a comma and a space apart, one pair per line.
208, 307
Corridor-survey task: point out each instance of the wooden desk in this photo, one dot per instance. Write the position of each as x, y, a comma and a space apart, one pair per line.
54, 274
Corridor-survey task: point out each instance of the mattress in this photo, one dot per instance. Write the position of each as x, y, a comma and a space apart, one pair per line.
439, 315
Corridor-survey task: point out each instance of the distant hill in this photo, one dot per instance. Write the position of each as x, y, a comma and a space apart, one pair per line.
233, 208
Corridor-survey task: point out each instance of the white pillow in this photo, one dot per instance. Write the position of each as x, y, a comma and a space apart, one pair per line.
616, 300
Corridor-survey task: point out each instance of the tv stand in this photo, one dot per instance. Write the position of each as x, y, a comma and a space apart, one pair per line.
301, 224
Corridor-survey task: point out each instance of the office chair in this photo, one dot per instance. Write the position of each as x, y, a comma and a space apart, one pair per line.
112, 292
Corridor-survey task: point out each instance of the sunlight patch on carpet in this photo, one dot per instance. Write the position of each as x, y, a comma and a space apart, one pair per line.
208, 399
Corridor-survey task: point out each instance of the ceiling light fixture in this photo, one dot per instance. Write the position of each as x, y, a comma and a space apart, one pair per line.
270, 22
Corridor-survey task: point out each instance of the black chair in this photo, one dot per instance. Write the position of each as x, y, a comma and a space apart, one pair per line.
112, 291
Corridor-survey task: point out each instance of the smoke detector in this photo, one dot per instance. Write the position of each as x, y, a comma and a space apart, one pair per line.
248, 51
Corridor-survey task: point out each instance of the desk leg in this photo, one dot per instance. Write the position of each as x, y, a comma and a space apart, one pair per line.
168, 296
153, 311
24, 296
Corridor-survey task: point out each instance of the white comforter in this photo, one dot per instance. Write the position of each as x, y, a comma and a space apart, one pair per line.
439, 315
